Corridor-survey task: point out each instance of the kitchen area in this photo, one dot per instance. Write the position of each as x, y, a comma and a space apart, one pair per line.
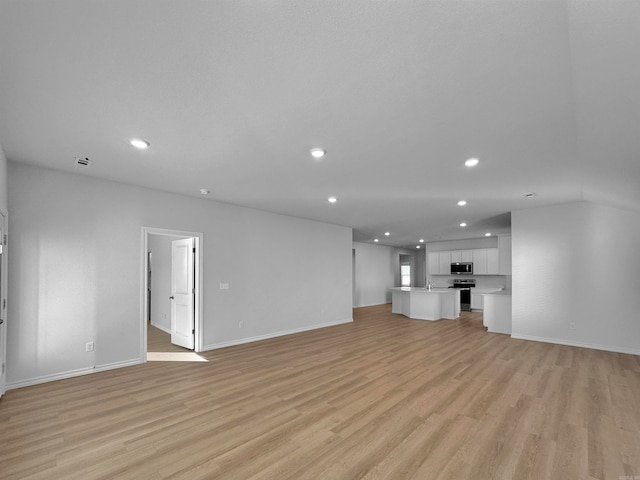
462, 276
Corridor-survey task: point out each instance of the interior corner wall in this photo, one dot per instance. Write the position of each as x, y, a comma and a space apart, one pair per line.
377, 270
575, 272
76, 271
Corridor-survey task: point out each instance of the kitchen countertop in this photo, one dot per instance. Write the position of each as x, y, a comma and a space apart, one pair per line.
501, 293
424, 289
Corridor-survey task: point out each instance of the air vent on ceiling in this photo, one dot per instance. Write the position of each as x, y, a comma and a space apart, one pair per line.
82, 161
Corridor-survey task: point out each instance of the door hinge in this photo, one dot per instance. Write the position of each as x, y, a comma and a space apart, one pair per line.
4, 240
4, 303
193, 332
2, 372
194, 249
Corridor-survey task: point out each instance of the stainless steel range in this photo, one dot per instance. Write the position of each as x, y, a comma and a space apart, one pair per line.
465, 287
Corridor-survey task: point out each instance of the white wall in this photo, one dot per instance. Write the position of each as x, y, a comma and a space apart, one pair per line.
75, 271
464, 244
160, 246
377, 269
3, 182
577, 263
3, 266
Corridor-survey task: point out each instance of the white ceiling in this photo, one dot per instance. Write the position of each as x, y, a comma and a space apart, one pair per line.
233, 94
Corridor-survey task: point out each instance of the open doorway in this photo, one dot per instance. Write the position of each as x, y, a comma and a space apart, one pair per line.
406, 271
172, 302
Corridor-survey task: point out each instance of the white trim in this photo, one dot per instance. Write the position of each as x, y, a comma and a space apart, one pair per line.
199, 242
257, 338
4, 282
569, 343
72, 373
160, 327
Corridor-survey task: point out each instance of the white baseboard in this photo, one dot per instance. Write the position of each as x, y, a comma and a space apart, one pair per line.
257, 338
160, 327
569, 343
72, 373
372, 304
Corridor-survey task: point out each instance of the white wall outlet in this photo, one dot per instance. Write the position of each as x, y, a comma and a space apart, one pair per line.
89, 347
572, 325
224, 286
240, 324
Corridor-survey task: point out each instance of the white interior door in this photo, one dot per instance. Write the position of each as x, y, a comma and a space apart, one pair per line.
183, 293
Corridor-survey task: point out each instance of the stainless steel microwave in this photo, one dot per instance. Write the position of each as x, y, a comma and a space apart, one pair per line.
462, 268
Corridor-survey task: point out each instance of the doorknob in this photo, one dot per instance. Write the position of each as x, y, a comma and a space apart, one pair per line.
171, 297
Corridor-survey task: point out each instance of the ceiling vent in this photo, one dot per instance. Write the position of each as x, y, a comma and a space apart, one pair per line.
82, 161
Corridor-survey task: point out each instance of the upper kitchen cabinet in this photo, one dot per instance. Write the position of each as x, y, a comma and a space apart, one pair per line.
433, 261
445, 262
485, 261
504, 252
439, 263
462, 256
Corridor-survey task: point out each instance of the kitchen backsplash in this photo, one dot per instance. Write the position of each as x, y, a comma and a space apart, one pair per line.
482, 281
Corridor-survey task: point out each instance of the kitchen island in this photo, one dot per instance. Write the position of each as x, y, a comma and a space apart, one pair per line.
426, 304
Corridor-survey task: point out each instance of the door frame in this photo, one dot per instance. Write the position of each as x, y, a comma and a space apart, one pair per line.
4, 282
411, 263
199, 269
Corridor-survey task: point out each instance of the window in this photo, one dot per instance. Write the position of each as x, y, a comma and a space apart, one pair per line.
405, 275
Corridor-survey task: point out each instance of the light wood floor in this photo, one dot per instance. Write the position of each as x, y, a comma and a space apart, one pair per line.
383, 398
160, 341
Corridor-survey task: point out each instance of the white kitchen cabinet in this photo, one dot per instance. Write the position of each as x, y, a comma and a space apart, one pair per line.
477, 301
434, 263
504, 254
445, 263
439, 263
485, 261
433, 259
480, 262
463, 256
493, 263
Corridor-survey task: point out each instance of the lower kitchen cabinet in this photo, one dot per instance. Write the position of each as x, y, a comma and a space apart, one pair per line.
477, 301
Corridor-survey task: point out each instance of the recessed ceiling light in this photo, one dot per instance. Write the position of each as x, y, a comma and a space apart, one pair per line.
332, 199
529, 194
471, 162
387, 234
376, 240
462, 203
140, 143
318, 152
422, 240
487, 234
418, 247
205, 191
463, 224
